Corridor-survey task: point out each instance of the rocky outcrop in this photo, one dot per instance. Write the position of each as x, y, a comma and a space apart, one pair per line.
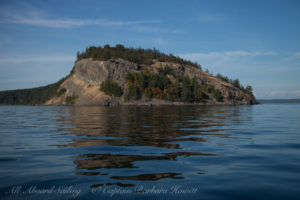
84, 84
91, 71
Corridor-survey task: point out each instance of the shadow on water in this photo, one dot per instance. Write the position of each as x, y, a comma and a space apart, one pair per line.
144, 130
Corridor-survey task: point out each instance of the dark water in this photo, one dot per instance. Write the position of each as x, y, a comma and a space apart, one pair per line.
204, 152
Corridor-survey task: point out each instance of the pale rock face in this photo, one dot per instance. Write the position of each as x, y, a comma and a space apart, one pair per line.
86, 81
98, 71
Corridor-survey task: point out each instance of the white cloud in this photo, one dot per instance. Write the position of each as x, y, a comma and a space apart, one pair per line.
294, 56
297, 54
38, 18
66, 58
225, 55
284, 94
159, 41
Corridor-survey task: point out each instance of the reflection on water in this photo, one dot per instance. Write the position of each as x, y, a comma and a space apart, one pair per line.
145, 126
111, 184
222, 151
149, 177
156, 129
125, 161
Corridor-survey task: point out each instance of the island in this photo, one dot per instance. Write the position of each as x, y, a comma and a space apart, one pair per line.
117, 75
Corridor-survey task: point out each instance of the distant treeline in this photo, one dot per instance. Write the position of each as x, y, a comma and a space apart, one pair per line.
33, 96
279, 100
136, 55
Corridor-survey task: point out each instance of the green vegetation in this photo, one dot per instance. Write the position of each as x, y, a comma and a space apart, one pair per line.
159, 86
71, 99
236, 83
60, 92
218, 95
132, 92
249, 89
33, 96
111, 88
207, 88
136, 55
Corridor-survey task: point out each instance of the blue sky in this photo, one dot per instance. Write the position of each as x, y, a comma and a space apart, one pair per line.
255, 41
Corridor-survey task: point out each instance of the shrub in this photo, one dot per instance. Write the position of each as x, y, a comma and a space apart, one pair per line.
166, 70
148, 92
111, 88
218, 95
158, 93
132, 92
71, 99
207, 88
61, 92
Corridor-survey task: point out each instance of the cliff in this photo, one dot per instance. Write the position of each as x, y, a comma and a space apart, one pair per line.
83, 86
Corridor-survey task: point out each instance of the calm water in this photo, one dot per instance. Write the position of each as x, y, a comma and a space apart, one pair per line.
204, 152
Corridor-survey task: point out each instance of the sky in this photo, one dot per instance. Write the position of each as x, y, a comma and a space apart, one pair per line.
255, 41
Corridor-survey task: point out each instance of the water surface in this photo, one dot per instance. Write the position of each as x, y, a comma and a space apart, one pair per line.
169, 152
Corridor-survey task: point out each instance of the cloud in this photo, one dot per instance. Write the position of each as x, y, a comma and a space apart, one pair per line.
152, 29
38, 18
294, 56
225, 55
284, 94
297, 54
159, 41
66, 58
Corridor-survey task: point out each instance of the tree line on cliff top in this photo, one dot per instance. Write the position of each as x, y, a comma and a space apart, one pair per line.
136, 55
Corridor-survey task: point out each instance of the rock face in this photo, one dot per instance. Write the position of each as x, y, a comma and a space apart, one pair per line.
98, 71
84, 84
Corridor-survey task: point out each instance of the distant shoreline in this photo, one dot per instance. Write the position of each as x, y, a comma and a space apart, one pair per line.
278, 100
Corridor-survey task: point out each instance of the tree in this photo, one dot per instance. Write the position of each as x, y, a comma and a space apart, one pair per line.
132, 92
111, 88
249, 89
236, 83
218, 95
137, 55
